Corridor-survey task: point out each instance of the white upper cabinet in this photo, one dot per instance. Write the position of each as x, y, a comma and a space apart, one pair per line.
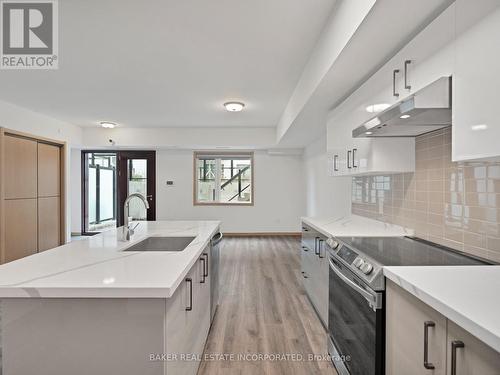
426, 58
476, 122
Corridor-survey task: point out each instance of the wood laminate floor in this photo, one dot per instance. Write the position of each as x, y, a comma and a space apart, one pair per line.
264, 310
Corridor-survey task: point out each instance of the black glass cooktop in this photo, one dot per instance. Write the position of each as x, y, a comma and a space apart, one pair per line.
405, 251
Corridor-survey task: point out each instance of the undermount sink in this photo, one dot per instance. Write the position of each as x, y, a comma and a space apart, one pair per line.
162, 244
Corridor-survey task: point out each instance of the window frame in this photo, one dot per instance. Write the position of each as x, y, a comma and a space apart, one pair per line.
224, 154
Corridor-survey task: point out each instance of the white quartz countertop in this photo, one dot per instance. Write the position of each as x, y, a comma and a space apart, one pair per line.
355, 226
467, 295
98, 267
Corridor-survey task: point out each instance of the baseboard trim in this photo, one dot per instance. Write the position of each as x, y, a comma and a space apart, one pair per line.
263, 234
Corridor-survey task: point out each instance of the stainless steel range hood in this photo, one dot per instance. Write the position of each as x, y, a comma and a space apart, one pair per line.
427, 110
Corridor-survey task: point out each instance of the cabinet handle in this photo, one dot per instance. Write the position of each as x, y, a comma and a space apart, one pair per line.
335, 163
305, 229
349, 159
305, 248
454, 346
206, 265
190, 281
427, 364
354, 150
394, 93
407, 86
316, 246
203, 273
319, 248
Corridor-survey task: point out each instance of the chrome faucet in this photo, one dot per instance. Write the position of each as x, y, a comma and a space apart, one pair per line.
127, 231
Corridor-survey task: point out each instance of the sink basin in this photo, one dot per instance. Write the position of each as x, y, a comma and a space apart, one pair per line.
162, 244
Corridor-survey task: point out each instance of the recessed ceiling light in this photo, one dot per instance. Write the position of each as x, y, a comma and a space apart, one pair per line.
234, 106
375, 108
404, 116
107, 124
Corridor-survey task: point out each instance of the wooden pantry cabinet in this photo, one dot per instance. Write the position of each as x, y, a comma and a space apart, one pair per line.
31, 194
421, 341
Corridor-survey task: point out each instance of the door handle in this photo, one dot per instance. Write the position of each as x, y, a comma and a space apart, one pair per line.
407, 86
349, 159
394, 93
202, 259
335, 163
454, 346
206, 264
319, 248
427, 364
354, 150
190, 281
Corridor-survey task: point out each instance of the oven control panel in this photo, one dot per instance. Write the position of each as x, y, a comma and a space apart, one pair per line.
351, 257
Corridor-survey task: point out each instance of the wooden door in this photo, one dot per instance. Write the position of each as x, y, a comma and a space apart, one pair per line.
20, 228
474, 357
49, 196
20, 172
405, 342
49, 223
49, 170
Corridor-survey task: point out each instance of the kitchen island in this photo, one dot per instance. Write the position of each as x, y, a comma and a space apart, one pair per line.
92, 307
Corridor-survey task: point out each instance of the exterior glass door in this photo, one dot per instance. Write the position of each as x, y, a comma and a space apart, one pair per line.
137, 174
108, 178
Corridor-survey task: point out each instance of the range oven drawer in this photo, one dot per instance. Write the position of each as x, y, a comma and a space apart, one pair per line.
356, 323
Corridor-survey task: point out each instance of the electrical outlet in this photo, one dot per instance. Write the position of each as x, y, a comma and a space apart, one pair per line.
170, 183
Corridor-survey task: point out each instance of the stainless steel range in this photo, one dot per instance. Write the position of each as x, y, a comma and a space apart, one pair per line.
356, 316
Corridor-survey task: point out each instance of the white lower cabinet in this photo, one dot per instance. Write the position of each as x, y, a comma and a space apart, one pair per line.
315, 268
407, 320
419, 340
188, 320
467, 355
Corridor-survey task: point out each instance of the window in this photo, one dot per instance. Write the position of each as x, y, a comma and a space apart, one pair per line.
223, 178
100, 191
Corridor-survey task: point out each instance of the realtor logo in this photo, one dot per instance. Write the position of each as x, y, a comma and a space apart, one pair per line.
29, 34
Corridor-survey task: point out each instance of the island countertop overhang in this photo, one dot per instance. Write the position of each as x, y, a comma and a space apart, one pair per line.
98, 267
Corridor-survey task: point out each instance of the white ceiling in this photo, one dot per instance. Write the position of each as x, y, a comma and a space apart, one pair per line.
172, 63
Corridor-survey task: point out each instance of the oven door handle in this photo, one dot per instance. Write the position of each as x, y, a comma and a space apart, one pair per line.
373, 299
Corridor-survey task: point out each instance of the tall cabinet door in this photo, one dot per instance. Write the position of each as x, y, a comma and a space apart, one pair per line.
20, 168
49, 170
49, 196
20, 203
49, 223
20, 228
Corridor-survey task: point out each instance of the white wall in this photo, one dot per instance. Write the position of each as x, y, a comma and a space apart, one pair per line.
24, 120
325, 196
195, 138
279, 194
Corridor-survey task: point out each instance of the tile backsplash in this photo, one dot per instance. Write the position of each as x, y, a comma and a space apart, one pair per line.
452, 204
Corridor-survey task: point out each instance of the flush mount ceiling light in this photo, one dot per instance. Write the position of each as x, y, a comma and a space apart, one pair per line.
369, 133
479, 127
107, 124
375, 108
404, 116
234, 106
